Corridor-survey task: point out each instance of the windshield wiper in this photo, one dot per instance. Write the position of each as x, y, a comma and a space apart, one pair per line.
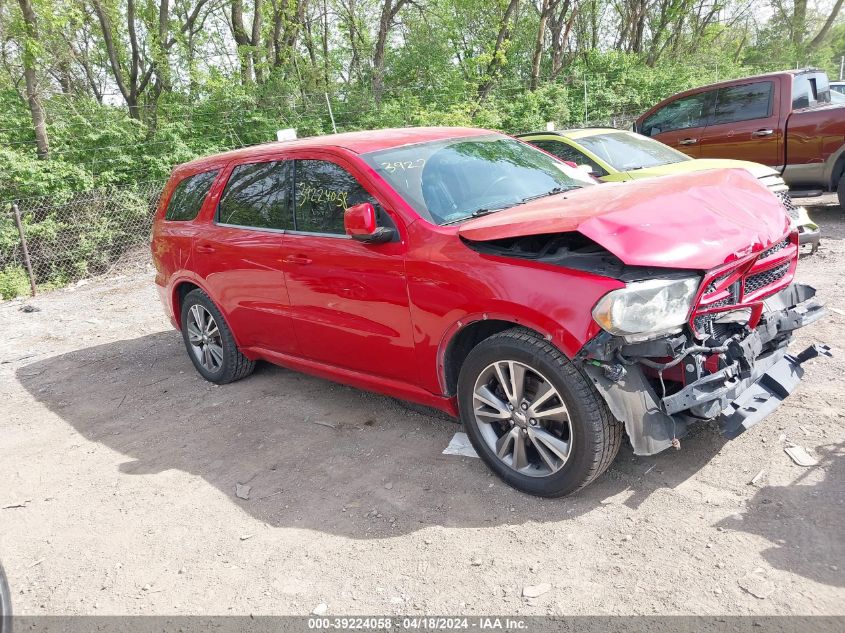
488, 210
475, 214
551, 192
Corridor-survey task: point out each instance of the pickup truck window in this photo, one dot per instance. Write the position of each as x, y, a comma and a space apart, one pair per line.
681, 114
187, 198
258, 196
809, 90
323, 193
743, 103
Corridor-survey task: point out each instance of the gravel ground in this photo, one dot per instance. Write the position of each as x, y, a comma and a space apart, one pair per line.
121, 466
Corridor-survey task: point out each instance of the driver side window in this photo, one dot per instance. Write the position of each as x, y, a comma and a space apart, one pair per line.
688, 112
323, 192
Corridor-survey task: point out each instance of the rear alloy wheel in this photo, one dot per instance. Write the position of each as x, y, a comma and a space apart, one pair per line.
209, 341
204, 338
534, 419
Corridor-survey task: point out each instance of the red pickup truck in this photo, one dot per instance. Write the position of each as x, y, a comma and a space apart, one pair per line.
784, 120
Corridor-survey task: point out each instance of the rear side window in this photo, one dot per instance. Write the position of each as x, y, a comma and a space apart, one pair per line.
681, 114
565, 151
258, 196
743, 103
187, 198
323, 193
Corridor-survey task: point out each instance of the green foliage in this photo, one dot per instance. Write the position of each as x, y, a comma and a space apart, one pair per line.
23, 176
13, 282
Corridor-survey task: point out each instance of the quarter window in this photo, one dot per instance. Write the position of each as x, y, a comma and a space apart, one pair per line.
743, 103
323, 193
258, 196
188, 196
680, 114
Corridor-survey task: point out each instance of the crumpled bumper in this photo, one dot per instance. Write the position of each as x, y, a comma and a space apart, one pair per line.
738, 396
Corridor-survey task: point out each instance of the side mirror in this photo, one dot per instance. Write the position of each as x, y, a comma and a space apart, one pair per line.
587, 169
360, 224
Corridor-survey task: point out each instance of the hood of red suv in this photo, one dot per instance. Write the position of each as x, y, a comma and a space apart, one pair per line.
694, 221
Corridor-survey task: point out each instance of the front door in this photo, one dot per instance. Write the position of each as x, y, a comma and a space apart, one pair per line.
680, 123
350, 300
240, 255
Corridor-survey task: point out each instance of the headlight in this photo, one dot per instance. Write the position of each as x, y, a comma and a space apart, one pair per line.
644, 309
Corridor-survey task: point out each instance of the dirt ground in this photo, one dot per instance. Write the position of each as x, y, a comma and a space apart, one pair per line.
120, 467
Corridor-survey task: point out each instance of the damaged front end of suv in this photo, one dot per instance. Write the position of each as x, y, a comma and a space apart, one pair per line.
677, 351
699, 327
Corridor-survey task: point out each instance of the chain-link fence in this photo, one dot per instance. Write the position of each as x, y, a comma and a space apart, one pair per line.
83, 235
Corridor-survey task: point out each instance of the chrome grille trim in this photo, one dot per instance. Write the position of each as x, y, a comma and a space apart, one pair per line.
767, 277
784, 243
788, 204
753, 278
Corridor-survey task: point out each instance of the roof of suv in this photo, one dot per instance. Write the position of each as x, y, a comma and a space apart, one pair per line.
358, 142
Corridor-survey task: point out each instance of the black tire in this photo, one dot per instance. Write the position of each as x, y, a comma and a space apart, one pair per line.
233, 365
5, 604
595, 435
840, 190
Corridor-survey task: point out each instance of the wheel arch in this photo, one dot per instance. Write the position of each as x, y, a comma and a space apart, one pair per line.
180, 291
180, 288
471, 330
837, 168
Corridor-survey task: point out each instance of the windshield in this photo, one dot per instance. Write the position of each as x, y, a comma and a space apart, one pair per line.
450, 180
625, 151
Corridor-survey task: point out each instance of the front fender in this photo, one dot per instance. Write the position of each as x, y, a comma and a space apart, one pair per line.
566, 341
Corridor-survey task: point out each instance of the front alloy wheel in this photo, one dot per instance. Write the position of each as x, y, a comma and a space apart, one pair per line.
533, 417
523, 418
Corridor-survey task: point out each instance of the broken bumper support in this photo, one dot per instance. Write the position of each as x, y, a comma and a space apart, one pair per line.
737, 396
767, 393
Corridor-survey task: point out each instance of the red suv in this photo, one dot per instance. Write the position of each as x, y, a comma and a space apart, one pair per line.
468, 271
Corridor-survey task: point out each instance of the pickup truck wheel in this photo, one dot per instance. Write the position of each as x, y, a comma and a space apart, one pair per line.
209, 341
534, 419
840, 190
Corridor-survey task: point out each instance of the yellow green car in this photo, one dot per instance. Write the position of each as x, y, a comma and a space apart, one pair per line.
616, 155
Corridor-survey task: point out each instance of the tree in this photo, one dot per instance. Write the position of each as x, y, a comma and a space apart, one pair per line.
248, 41
828, 24
389, 10
497, 57
33, 98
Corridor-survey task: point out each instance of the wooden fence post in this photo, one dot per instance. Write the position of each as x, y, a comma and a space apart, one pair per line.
26, 260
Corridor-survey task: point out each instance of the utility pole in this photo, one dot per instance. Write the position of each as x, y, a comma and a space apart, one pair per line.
585, 99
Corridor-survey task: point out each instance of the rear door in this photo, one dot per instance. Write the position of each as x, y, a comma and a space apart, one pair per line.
240, 254
680, 123
350, 300
174, 234
744, 124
